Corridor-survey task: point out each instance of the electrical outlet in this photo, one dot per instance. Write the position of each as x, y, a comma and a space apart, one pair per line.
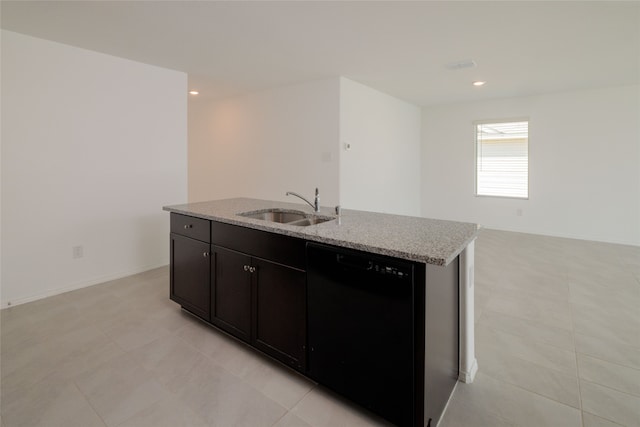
77, 252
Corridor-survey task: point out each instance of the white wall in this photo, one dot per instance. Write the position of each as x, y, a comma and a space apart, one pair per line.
584, 165
265, 144
92, 147
381, 170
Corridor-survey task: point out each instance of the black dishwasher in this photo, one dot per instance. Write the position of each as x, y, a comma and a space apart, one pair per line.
361, 329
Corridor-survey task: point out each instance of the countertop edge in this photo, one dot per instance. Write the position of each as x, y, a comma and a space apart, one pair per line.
307, 233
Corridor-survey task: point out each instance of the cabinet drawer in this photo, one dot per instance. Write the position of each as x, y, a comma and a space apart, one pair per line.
196, 228
274, 247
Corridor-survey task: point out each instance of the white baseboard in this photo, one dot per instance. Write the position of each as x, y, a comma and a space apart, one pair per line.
467, 377
79, 285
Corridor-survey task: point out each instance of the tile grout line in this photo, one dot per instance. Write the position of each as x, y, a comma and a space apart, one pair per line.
611, 363
635, 396
606, 419
536, 363
86, 398
575, 353
582, 411
238, 378
532, 392
535, 324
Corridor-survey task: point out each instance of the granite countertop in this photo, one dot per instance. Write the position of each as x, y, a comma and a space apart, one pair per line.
425, 240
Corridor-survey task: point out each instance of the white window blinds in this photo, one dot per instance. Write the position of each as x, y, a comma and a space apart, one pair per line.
502, 159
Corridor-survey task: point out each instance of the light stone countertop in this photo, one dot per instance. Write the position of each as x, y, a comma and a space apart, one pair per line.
425, 240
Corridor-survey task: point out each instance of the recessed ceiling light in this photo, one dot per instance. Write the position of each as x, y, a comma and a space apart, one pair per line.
479, 83
194, 92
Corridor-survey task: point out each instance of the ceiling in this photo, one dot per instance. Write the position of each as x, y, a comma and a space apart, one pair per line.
401, 48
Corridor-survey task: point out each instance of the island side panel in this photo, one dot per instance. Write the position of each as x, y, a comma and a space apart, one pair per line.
441, 337
468, 363
419, 318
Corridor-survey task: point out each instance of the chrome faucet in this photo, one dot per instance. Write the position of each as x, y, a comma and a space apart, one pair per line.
316, 202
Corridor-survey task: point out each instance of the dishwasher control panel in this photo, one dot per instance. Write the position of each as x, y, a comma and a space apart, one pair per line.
391, 270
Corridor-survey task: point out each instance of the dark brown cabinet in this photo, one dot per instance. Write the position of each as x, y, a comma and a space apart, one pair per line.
190, 264
260, 302
235, 278
279, 324
231, 292
259, 290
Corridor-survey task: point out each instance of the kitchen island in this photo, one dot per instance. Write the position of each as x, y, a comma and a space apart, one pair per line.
377, 307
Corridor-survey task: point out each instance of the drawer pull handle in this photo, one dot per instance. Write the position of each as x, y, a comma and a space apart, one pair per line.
205, 254
246, 268
187, 226
252, 269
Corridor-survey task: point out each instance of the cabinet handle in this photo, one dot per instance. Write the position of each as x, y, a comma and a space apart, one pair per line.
187, 226
205, 254
252, 269
246, 268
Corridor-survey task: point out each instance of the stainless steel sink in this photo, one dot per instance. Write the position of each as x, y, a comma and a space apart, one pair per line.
285, 216
312, 220
275, 215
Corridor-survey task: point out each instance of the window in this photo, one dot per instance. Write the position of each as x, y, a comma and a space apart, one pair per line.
502, 159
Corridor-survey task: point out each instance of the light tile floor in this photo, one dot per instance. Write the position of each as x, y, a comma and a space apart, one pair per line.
557, 335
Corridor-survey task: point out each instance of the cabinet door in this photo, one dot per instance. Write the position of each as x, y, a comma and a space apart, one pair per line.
190, 269
280, 312
231, 292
